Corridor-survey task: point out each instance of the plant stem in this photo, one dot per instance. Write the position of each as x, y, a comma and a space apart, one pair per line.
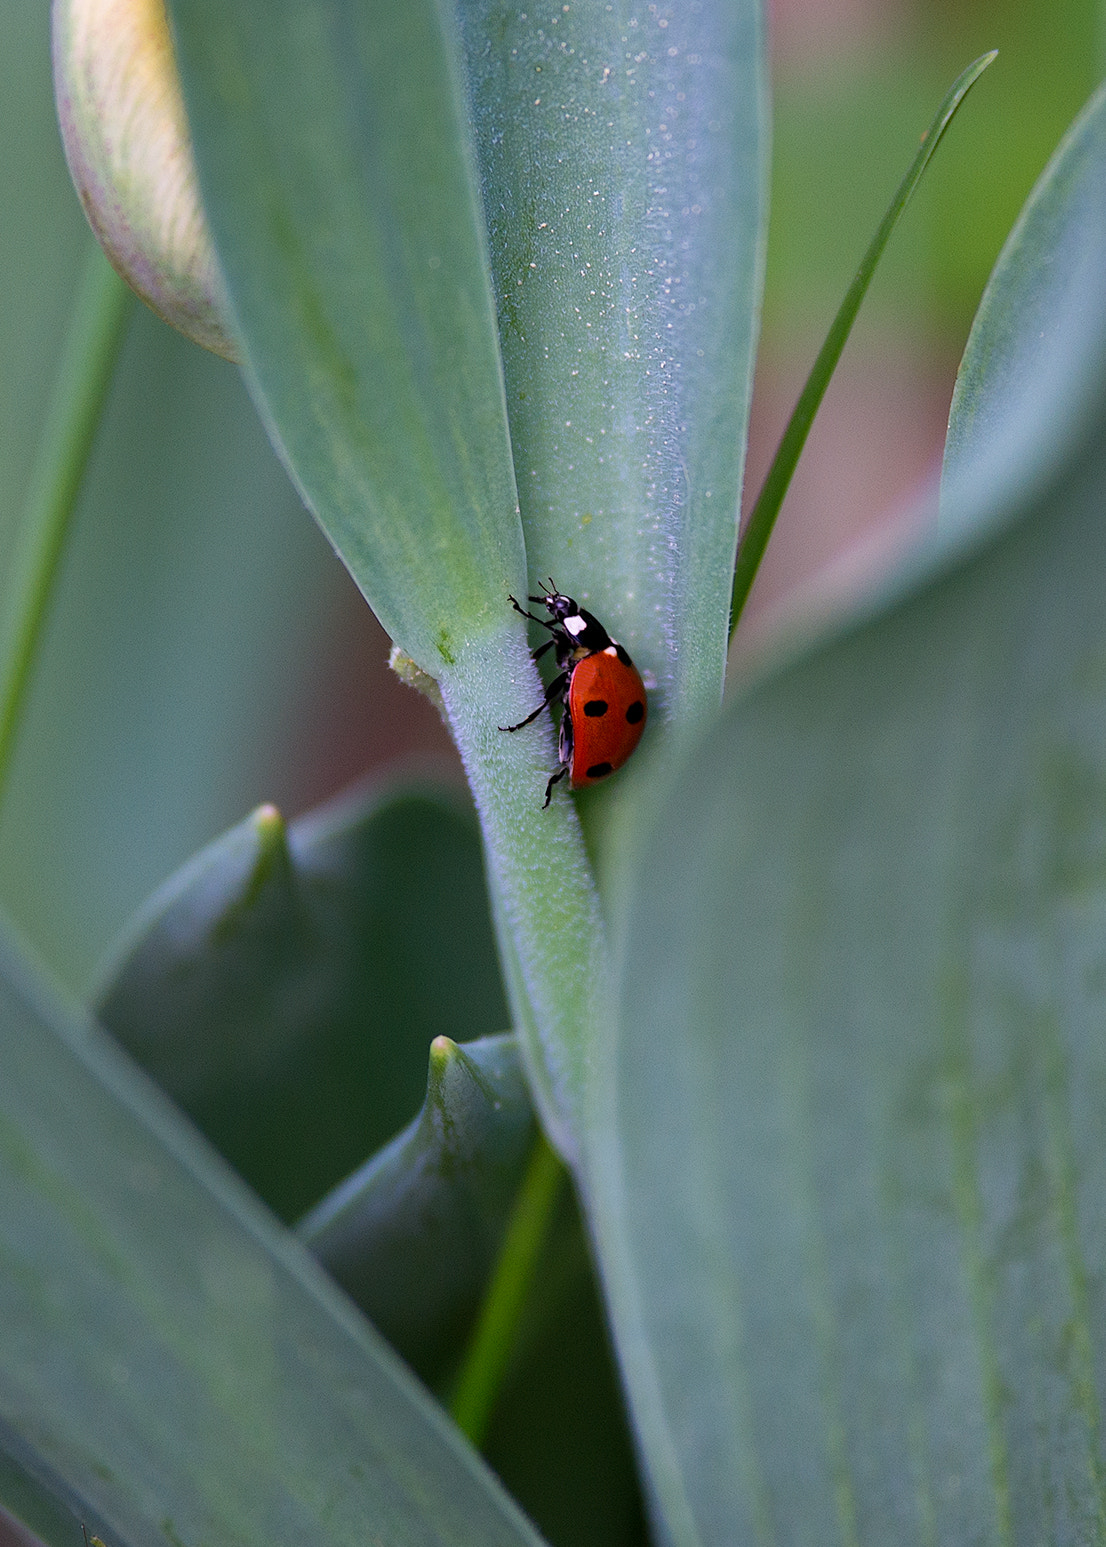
493, 1337
80, 390
764, 513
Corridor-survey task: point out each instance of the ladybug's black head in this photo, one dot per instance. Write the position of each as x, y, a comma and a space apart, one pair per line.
579, 632
558, 606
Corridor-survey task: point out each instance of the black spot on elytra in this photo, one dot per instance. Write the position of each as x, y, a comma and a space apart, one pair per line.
599, 770
595, 708
636, 712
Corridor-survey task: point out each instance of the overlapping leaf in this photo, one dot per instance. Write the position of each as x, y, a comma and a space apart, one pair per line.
622, 158
333, 163
285, 987
174, 1366
339, 174
849, 1148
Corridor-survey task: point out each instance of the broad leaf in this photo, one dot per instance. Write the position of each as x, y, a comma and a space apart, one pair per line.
335, 165
622, 155
333, 160
412, 1237
174, 1366
285, 987
849, 1148
1027, 385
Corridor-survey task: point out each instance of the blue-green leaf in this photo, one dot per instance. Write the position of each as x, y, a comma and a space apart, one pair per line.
174, 1366
848, 1146
285, 987
1027, 385
411, 1236
331, 144
622, 155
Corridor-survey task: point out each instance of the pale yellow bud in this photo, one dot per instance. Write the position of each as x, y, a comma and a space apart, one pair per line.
130, 156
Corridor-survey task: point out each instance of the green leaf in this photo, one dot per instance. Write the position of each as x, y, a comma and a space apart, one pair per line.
285, 989
1026, 387
848, 1147
190, 608
622, 156
174, 1366
412, 1235
665, 382
332, 152
100, 314
335, 161
333, 155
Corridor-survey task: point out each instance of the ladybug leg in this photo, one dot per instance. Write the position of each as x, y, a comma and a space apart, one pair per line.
522, 610
564, 755
564, 740
555, 688
536, 655
553, 779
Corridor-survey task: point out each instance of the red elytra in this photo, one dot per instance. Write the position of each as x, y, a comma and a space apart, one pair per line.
599, 688
606, 709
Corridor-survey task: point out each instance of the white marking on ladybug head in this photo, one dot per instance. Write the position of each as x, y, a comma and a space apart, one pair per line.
575, 624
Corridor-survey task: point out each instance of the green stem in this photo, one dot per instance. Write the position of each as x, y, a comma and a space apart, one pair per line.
493, 1338
80, 389
763, 517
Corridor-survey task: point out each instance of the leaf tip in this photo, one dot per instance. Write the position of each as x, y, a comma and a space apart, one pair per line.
269, 824
271, 859
443, 1050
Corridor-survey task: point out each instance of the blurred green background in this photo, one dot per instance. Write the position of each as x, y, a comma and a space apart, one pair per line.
206, 650
856, 82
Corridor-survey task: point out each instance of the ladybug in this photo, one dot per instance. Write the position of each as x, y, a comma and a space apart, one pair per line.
599, 688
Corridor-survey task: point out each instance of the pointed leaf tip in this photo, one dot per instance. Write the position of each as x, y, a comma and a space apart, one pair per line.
267, 819
411, 1236
284, 986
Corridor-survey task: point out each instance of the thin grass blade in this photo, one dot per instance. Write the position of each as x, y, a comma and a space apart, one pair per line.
763, 516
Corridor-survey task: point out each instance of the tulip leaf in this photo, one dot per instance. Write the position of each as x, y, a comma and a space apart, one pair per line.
1028, 380
175, 1366
285, 986
412, 1235
331, 145
848, 1147
622, 158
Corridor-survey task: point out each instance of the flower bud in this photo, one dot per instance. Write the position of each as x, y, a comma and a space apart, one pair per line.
126, 140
